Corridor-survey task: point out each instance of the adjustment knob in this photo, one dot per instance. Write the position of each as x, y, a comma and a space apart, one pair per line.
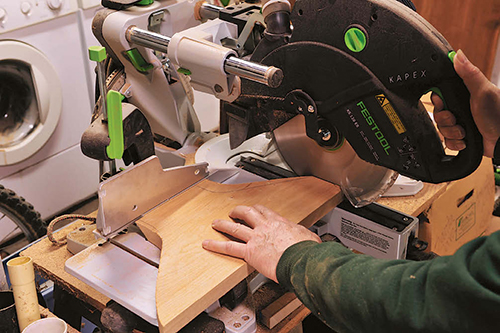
54, 4
25, 7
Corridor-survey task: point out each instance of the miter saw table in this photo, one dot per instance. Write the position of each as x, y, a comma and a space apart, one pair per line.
70, 292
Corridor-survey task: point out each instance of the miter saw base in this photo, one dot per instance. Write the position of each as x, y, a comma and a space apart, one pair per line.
375, 230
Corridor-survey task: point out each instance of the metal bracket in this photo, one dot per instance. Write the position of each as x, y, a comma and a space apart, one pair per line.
127, 196
248, 33
300, 102
155, 20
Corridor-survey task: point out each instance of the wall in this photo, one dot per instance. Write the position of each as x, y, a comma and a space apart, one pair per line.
470, 25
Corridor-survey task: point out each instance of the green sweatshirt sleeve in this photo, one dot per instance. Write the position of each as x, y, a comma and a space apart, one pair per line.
357, 293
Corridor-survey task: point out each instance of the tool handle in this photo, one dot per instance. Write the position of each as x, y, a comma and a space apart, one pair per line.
457, 100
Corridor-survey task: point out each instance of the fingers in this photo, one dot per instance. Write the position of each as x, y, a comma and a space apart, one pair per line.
473, 78
250, 215
234, 229
438, 103
233, 249
268, 213
452, 132
455, 144
445, 119
448, 127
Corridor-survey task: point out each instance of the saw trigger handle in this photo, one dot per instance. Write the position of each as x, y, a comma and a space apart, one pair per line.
456, 99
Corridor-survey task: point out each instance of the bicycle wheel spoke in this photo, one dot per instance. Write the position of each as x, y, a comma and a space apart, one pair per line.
7, 237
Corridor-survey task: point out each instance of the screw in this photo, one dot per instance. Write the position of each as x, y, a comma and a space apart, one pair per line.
325, 134
218, 89
310, 108
299, 108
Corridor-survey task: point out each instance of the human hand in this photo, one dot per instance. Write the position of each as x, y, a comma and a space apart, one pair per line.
485, 108
266, 236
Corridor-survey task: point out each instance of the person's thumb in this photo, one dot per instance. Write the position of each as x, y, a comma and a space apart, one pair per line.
473, 78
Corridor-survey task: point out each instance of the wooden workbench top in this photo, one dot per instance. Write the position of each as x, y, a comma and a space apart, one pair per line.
49, 259
415, 204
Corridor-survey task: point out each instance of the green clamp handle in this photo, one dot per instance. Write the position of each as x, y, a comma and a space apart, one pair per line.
97, 53
115, 125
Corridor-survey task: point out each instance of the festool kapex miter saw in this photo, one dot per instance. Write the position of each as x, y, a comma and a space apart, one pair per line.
350, 73
337, 82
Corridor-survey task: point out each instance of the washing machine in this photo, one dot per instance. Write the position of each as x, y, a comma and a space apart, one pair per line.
44, 105
86, 12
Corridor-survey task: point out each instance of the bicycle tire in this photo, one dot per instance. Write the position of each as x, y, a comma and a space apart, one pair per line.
22, 213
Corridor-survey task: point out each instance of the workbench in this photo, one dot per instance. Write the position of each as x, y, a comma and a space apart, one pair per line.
49, 262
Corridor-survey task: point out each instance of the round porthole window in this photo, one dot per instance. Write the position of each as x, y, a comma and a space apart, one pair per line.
30, 101
19, 114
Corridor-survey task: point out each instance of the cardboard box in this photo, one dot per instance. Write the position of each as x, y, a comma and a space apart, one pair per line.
462, 213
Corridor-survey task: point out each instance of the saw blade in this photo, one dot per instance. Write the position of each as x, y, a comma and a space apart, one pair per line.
361, 182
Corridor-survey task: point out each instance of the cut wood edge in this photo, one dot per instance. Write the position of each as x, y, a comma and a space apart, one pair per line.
275, 312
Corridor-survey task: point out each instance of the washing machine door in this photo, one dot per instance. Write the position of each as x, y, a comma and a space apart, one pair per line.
30, 101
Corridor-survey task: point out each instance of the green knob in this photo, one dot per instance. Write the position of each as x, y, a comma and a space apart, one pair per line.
145, 2
97, 53
355, 39
452, 55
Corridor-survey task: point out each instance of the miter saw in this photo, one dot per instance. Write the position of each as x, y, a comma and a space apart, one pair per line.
336, 84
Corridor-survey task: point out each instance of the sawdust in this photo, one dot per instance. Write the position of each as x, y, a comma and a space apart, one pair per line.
84, 235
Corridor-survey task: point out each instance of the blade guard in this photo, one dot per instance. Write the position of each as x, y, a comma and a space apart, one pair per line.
372, 92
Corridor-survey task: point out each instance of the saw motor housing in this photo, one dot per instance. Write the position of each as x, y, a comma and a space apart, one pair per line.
360, 68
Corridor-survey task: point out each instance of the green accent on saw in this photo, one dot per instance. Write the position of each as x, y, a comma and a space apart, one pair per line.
145, 2
452, 55
184, 71
97, 53
224, 2
438, 91
337, 147
497, 177
355, 39
138, 61
115, 125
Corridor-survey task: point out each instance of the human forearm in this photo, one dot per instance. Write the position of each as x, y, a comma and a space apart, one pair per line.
356, 293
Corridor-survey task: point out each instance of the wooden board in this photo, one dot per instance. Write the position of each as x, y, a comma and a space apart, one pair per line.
190, 278
273, 314
471, 25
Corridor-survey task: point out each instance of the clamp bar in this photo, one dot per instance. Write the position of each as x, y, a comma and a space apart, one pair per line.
208, 11
148, 39
268, 75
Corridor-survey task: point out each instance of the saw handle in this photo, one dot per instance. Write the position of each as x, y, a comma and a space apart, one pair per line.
456, 99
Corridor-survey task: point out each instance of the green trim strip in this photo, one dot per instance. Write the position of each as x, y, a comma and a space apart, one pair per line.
338, 146
184, 71
115, 125
138, 61
440, 94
